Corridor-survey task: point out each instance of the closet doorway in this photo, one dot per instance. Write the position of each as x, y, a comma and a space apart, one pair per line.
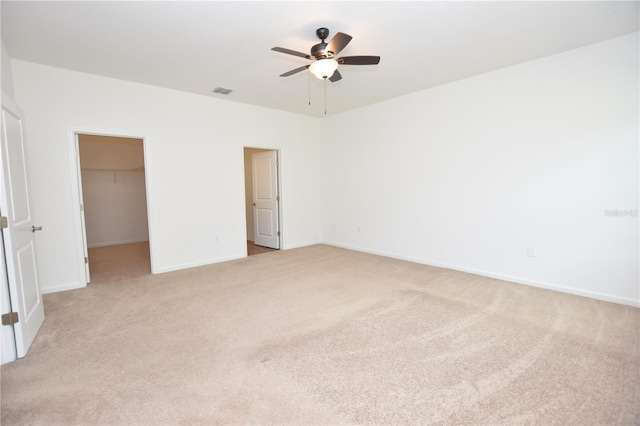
114, 206
262, 200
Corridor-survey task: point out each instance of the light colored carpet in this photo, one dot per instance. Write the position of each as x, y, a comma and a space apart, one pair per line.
322, 335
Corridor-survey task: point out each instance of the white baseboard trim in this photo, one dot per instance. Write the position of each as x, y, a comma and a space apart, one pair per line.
299, 245
62, 287
499, 276
196, 264
223, 259
114, 243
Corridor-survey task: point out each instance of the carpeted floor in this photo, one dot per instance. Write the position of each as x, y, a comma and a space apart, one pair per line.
322, 335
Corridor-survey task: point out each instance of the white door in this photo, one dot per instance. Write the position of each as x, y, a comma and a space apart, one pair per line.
264, 168
19, 235
83, 224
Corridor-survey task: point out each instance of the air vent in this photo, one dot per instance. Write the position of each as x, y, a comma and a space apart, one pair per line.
222, 90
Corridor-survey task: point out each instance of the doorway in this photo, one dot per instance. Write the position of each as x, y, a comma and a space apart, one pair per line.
112, 185
262, 200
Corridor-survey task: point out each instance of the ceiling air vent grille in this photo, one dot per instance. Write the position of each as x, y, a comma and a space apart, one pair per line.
222, 90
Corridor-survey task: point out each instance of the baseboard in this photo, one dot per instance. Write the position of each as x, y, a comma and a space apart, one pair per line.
223, 259
499, 276
299, 245
196, 264
115, 243
62, 287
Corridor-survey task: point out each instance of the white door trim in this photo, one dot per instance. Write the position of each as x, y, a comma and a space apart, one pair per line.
76, 183
279, 184
266, 201
80, 211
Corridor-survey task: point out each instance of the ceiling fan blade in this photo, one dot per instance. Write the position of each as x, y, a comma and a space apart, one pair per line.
294, 71
359, 60
291, 52
338, 42
335, 77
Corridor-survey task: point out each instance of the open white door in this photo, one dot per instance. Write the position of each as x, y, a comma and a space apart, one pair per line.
83, 223
18, 235
265, 199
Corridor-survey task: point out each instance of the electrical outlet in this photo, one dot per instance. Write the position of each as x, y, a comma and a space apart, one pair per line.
532, 251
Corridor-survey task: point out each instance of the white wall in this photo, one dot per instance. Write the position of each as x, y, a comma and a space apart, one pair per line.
469, 174
6, 71
465, 175
114, 190
115, 207
194, 161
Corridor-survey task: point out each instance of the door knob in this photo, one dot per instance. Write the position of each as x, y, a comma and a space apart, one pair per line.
36, 228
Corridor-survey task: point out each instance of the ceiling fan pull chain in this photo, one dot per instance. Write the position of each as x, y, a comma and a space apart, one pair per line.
309, 86
325, 96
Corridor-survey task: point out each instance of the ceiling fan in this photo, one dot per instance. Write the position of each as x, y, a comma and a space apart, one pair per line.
325, 64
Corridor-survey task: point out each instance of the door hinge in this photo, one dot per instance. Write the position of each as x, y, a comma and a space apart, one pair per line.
278, 233
10, 318
86, 259
81, 207
277, 198
4, 222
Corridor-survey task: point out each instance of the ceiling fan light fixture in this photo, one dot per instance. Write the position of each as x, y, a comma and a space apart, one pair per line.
323, 68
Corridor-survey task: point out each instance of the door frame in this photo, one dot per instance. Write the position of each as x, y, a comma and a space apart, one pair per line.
76, 193
280, 203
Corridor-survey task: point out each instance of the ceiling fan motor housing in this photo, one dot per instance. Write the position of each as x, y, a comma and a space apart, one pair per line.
318, 50
322, 33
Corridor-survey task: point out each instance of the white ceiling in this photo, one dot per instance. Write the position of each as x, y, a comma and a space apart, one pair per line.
197, 46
